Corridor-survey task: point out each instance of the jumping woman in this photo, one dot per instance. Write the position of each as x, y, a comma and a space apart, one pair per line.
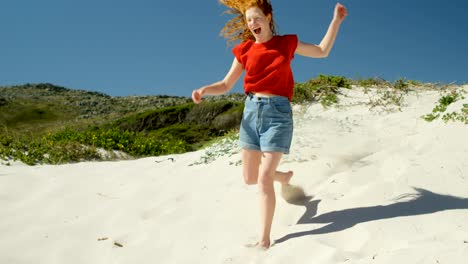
267, 124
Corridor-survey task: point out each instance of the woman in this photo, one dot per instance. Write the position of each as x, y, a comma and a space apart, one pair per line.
267, 124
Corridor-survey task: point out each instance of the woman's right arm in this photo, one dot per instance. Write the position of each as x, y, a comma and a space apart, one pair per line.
222, 86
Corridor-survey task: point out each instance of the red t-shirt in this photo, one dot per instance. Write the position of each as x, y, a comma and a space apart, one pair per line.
268, 65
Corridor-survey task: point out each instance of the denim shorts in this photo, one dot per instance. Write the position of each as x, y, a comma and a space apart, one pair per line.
267, 124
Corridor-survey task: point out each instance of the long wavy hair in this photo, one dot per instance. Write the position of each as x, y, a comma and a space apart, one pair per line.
236, 28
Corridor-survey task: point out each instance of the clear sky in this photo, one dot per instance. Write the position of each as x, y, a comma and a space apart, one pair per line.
153, 47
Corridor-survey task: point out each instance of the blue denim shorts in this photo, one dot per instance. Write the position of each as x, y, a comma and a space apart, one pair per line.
267, 124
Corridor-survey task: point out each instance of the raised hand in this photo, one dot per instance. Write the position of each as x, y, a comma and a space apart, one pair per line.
340, 12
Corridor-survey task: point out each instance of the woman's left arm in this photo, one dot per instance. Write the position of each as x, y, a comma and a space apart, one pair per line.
323, 49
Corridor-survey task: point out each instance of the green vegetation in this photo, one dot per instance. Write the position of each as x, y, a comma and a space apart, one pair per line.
401, 84
372, 82
323, 89
43, 108
45, 123
226, 146
50, 124
446, 100
70, 145
388, 99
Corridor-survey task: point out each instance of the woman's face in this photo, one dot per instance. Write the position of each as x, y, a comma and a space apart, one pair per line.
258, 23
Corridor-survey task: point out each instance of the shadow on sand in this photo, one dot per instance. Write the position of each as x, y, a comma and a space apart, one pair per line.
421, 202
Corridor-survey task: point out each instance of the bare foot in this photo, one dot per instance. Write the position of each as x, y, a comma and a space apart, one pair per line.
259, 245
286, 177
264, 245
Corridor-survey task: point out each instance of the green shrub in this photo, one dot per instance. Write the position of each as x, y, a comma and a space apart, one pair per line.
304, 92
70, 145
455, 116
329, 99
388, 99
5, 139
414, 83
31, 115
155, 119
336, 81
323, 89
372, 82
194, 136
206, 112
444, 102
401, 85
229, 120
3, 101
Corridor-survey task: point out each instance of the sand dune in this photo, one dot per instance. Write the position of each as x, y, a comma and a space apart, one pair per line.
370, 186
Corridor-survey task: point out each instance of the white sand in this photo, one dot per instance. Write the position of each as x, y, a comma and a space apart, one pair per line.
384, 188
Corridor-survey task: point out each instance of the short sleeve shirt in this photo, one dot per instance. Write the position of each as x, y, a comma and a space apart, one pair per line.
268, 65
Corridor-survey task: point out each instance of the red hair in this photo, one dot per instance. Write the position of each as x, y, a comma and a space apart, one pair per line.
236, 28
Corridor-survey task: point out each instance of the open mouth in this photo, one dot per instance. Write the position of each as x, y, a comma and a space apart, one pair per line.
257, 30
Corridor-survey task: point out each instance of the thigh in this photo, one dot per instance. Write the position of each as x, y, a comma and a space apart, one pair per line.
250, 165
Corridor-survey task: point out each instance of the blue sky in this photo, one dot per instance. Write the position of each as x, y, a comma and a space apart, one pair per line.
151, 47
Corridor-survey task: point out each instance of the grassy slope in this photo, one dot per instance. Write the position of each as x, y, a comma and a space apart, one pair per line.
38, 119
38, 108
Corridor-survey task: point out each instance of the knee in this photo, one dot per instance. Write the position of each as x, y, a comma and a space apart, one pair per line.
265, 185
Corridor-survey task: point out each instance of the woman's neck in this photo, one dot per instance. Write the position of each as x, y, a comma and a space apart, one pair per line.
264, 38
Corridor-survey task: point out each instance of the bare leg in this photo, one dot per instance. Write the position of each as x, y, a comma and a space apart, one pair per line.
270, 161
260, 168
251, 160
250, 164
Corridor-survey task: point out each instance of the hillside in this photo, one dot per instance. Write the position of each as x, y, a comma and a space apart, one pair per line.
53, 124
47, 107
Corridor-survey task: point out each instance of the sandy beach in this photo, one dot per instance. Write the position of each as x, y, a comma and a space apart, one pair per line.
379, 185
